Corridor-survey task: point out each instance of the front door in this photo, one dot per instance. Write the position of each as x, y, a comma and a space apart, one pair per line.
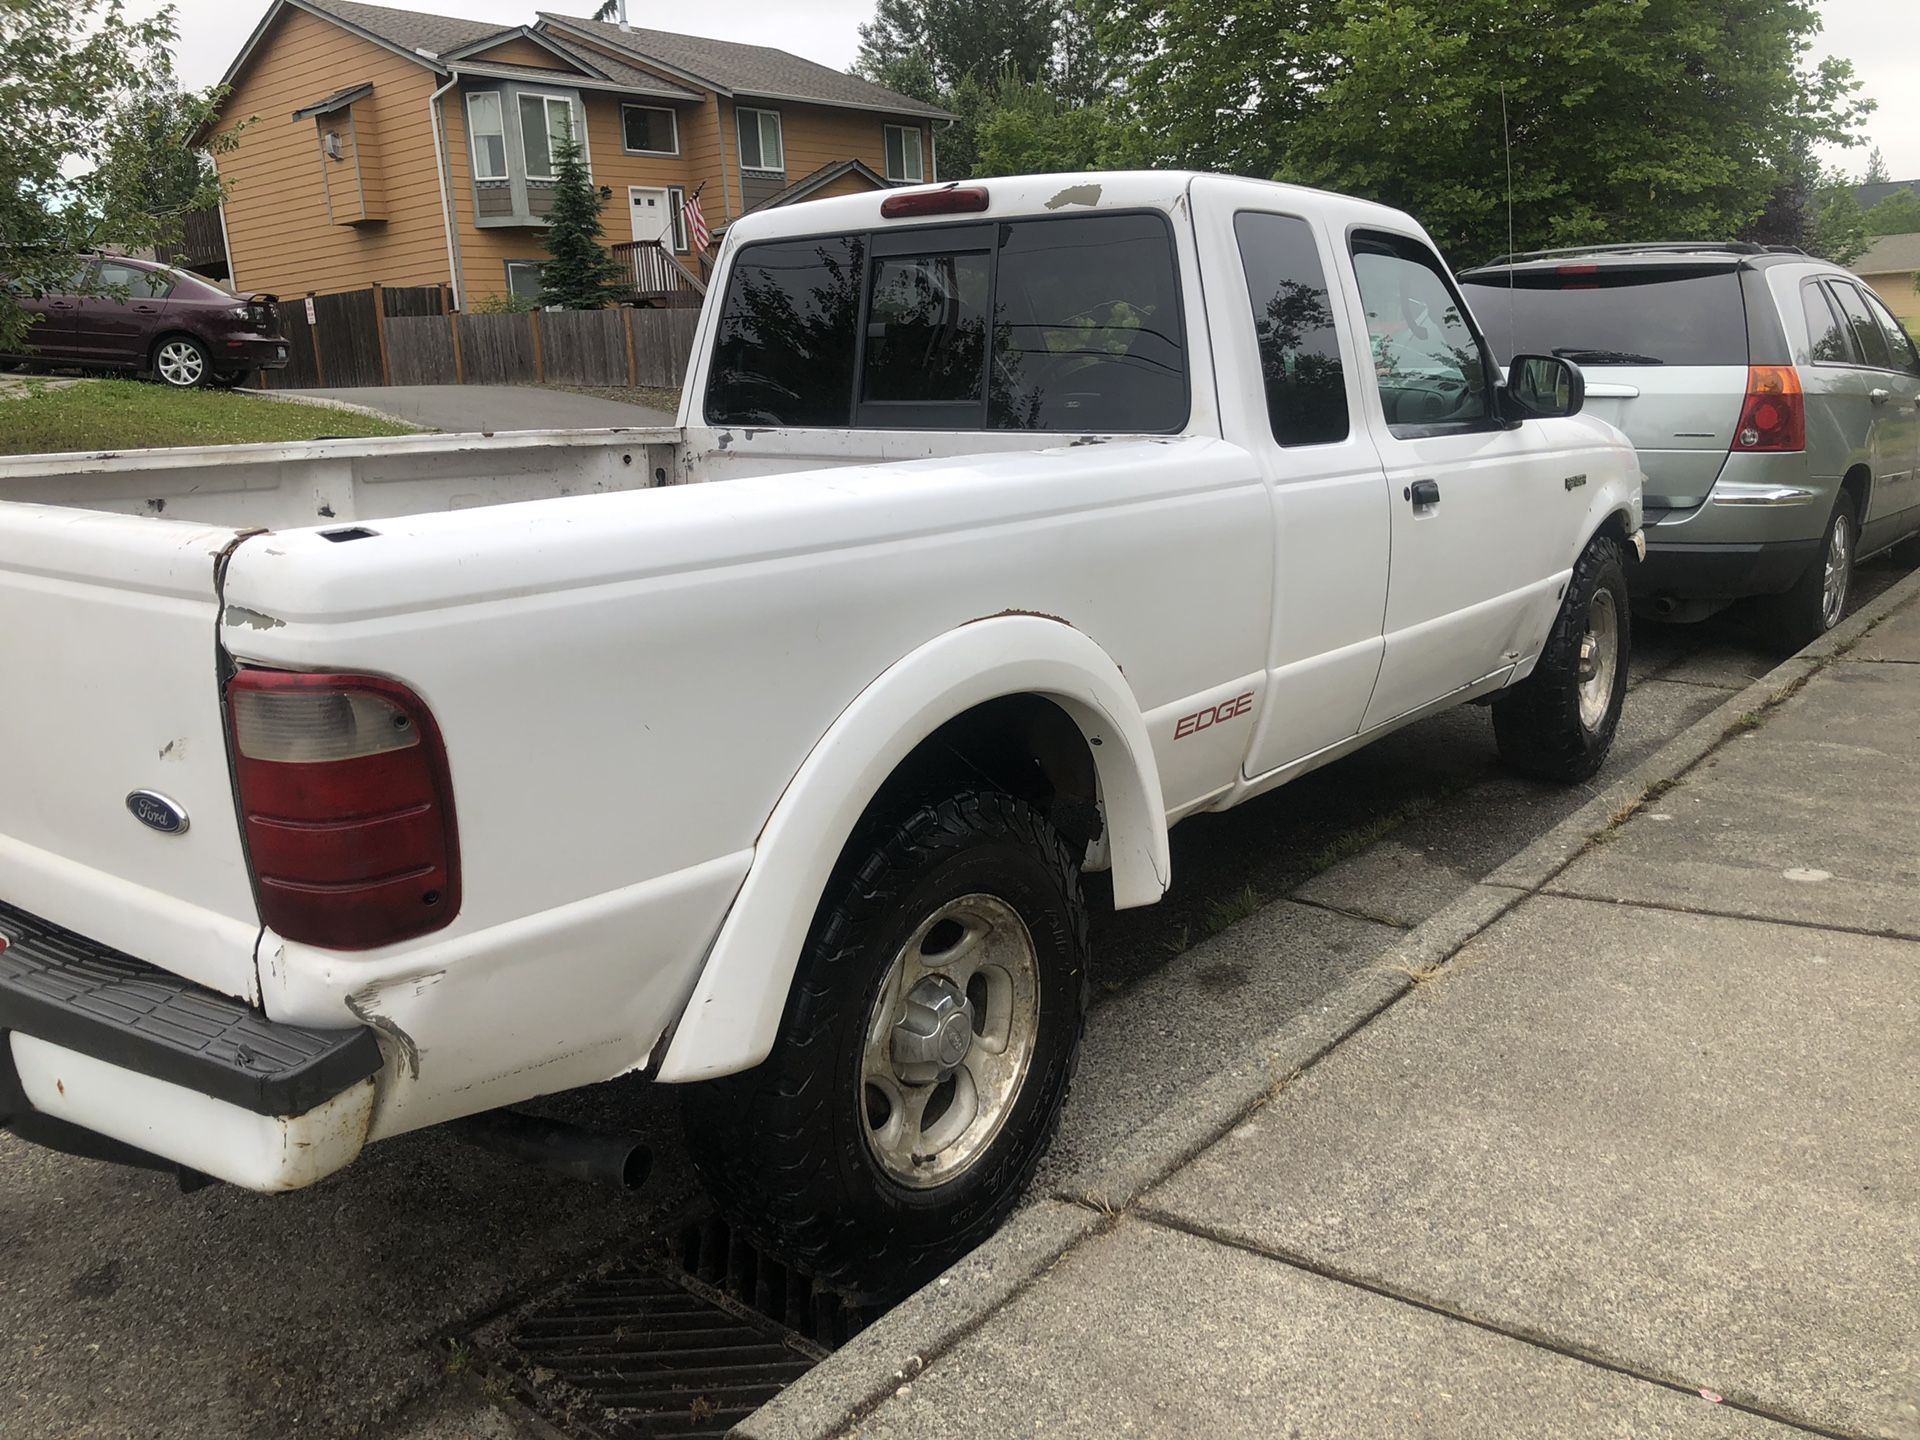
51, 336
652, 215
1479, 511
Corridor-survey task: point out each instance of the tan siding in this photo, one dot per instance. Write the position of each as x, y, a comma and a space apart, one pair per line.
278, 229
524, 52
845, 185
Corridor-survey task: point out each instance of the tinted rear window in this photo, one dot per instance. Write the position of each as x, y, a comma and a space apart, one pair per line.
1614, 315
1069, 324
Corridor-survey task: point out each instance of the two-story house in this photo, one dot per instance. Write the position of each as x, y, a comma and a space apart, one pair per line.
410, 149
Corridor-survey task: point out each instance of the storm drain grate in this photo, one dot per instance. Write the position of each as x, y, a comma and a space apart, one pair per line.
681, 1341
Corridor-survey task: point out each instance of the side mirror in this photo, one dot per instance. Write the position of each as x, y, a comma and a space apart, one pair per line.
1544, 387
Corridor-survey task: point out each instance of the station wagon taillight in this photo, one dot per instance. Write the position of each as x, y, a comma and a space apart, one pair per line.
1774, 416
347, 807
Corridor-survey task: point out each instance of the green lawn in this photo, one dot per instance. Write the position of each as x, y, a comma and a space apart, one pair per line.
129, 415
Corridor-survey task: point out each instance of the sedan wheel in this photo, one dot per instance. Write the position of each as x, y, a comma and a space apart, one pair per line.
181, 363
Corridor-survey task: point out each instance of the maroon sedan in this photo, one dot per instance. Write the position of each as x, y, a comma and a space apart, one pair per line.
120, 314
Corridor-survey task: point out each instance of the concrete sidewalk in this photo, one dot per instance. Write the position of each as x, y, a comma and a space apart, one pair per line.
1626, 1142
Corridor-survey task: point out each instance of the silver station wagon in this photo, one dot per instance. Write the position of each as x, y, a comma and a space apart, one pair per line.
1774, 400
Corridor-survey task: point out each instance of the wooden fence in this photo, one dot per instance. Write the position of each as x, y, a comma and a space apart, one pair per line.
410, 336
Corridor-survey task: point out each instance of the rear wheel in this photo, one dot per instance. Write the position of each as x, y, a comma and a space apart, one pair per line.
181, 362
1818, 600
925, 1056
1558, 723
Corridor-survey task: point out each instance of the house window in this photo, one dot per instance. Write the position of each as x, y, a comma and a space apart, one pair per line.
648, 131
489, 135
760, 142
523, 280
546, 121
677, 203
903, 154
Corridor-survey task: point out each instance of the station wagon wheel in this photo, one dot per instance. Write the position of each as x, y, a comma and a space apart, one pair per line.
181, 361
925, 1055
1818, 600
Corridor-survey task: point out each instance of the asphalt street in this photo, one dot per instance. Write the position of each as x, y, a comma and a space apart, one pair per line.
128, 1309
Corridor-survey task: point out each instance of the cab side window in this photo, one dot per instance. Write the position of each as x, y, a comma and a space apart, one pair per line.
1293, 325
1427, 360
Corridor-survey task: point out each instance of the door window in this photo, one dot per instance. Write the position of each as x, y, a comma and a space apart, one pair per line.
1899, 343
1869, 342
135, 282
1826, 338
1427, 359
1293, 324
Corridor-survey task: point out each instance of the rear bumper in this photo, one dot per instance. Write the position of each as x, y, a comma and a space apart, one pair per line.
247, 351
103, 1055
1721, 572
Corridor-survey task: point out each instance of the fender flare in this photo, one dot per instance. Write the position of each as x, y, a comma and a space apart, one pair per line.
733, 1017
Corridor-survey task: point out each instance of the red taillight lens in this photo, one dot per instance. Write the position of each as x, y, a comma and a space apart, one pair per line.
347, 806
954, 200
1775, 414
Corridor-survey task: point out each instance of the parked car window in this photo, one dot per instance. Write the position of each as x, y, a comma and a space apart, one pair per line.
1826, 339
1869, 342
1427, 361
1293, 324
784, 354
1667, 314
1087, 331
135, 281
1899, 343
927, 330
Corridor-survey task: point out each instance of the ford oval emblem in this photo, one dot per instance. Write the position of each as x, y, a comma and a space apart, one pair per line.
157, 812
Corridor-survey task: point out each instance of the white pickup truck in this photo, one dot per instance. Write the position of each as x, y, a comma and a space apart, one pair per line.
1048, 511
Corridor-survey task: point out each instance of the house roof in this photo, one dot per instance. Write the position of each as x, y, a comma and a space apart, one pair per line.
1890, 255
339, 100
824, 176
410, 29
736, 69
1871, 195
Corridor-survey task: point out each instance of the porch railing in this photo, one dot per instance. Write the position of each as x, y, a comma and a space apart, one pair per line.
656, 273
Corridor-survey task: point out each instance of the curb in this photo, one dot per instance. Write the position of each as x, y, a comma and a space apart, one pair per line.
835, 1395
293, 397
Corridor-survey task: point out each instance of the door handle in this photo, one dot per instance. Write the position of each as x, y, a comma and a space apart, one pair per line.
1424, 493
1879, 397
146, 309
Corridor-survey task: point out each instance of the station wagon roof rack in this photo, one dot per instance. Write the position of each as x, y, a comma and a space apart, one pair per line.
1655, 247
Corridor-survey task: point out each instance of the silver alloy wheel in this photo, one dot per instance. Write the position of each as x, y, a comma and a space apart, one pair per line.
949, 1041
180, 363
1839, 576
1599, 658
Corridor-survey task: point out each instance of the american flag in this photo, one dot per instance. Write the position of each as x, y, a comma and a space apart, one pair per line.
697, 230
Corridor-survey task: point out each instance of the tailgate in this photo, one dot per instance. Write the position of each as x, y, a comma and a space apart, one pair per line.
1681, 419
109, 685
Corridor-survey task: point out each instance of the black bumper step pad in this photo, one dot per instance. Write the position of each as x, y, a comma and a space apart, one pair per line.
71, 992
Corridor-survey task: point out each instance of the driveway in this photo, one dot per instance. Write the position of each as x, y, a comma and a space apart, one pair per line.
492, 408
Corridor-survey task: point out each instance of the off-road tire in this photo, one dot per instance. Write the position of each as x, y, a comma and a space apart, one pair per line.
1537, 723
1799, 616
782, 1148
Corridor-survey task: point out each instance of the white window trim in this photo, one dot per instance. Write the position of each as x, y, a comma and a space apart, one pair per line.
759, 134
473, 135
673, 119
533, 265
574, 119
919, 154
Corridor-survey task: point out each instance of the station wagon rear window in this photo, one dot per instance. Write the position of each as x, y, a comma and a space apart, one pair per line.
1059, 324
1614, 314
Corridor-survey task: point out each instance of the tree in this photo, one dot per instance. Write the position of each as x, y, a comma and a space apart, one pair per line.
71, 71
1876, 169
1030, 130
1839, 229
582, 274
149, 160
1898, 214
1627, 122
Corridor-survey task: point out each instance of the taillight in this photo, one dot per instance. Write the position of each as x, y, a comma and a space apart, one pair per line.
953, 200
1775, 414
347, 806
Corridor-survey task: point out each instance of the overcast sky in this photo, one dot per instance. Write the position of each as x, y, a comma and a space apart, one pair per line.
1881, 37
